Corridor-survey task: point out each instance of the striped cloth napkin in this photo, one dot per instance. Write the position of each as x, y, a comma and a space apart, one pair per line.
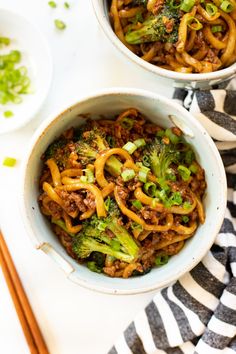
197, 314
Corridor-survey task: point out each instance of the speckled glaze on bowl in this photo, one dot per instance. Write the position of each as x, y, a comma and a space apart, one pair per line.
204, 80
162, 111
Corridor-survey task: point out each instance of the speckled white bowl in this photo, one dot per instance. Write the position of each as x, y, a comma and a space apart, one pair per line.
204, 80
161, 111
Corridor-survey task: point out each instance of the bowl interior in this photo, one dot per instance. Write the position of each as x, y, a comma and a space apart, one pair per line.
158, 110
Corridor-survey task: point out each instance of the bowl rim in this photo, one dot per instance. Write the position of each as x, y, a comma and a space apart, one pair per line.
221, 74
47, 53
48, 124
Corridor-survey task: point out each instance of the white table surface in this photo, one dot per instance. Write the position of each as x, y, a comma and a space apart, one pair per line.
73, 320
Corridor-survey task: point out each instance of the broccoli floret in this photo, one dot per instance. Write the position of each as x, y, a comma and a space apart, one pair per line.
156, 28
160, 157
85, 245
122, 246
91, 144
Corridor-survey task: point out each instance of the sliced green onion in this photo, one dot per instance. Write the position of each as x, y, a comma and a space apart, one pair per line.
139, 143
142, 176
90, 175
143, 173
130, 147
226, 6
184, 172
66, 5
150, 189
137, 204
52, 4
174, 5
173, 138
83, 179
8, 114
111, 141
187, 205
211, 9
189, 157
107, 203
194, 24
128, 174
60, 24
160, 133
127, 123
5, 40
9, 162
185, 219
217, 28
171, 177
187, 5
193, 168
145, 160
115, 245
161, 260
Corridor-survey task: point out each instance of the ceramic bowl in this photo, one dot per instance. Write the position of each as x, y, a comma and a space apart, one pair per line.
204, 80
161, 111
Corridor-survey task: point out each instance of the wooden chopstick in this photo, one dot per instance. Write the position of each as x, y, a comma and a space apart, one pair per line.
25, 314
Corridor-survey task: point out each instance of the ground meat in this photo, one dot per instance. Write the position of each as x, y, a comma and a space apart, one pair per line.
168, 23
122, 192
149, 214
110, 271
55, 209
89, 201
151, 128
73, 201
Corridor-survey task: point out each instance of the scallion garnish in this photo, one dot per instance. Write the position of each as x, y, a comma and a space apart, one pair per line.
90, 175
187, 5
173, 138
216, 28
60, 24
127, 123
52, 4
83, 179
226, 6
161, 260
150, 188
185, 219
9, 162
139, 143
128, 174
193, 168
66, 5
184, 172
194, 24
130, 147
8, 114
5, 40
211, 9
137, 204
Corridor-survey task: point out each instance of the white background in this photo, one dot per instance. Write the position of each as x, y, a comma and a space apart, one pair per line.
73, 320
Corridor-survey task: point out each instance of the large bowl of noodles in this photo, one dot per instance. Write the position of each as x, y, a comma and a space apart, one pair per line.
41, 190
198, 49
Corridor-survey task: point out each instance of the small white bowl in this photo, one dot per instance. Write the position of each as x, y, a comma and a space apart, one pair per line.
204, 80
159, 110
36, 56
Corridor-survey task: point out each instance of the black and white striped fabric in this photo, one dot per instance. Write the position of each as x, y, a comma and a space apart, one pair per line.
197, 314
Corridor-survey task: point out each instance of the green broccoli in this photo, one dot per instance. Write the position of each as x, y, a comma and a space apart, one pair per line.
56, 150
160, 157
91, 144
93, 237
85, 245
155, 28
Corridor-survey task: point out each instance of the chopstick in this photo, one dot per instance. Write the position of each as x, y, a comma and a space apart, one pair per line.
25, 314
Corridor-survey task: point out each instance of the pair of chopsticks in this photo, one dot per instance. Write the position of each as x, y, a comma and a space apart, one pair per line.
25, 314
